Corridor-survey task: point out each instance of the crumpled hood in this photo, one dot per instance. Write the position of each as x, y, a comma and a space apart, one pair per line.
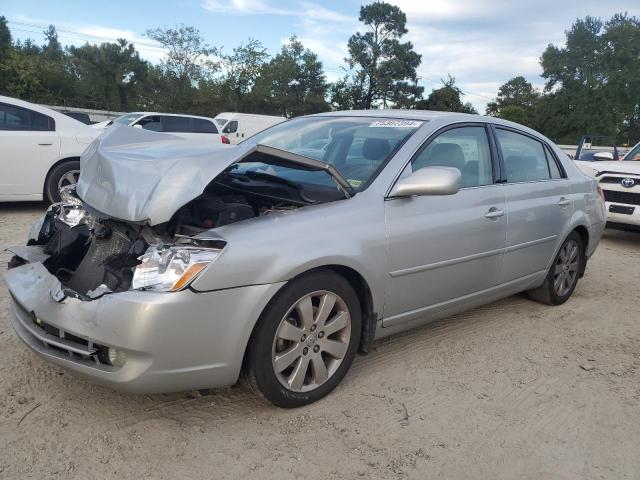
141, 176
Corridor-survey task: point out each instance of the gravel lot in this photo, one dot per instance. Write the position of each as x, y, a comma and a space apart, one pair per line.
511, 390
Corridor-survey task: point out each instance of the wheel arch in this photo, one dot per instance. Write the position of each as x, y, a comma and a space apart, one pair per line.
584, 236
46, 177
363, 292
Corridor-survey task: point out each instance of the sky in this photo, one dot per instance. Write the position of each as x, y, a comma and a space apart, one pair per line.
482, 43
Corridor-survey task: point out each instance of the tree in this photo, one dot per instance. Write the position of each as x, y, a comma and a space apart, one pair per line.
516, 101
5, 39
188, 55
110, 74
241, 69
593, 81
292, 83
52, 49
447, 98
5, 53
188, 62
383, 70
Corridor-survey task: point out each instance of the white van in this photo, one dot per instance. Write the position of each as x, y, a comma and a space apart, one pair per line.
239, 126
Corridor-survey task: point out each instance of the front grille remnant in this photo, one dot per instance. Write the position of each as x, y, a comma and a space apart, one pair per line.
76, 348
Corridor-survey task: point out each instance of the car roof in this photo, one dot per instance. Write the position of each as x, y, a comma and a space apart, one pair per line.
432, 115
170, 115
61, 119
234, 115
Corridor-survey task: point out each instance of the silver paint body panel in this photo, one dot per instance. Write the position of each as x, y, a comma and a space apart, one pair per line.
423, 258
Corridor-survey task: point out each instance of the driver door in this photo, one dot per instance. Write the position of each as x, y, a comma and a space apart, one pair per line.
442, 248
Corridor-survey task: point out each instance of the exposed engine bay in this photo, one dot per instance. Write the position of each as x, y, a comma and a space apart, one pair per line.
92, 254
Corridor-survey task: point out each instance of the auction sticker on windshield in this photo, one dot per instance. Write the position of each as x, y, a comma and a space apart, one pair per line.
396, 123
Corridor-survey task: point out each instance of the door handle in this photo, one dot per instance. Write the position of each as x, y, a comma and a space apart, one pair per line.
494, 213
45, 144
563, 202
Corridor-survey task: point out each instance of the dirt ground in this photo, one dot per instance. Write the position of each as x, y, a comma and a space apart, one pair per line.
511, 390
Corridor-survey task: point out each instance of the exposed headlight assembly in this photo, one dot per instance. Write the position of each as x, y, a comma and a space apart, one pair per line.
71, 209
171, 268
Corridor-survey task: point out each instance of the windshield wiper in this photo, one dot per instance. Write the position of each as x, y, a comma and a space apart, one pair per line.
309, 164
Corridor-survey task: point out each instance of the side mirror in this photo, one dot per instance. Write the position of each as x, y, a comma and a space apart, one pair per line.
603, 156
428, 181
137, 125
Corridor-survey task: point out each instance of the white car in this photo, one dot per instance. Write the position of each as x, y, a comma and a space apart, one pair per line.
620, 182
237, 127
185, 126
40, 150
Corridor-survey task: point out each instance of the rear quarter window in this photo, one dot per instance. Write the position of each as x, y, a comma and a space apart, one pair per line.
201, 125
22, 119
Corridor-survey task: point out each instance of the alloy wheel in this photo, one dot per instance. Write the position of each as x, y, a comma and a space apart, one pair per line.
566, 268
311, 341
69, 178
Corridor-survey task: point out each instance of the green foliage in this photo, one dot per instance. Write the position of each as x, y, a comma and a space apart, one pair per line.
383, 70
447, 98
517, 101
241, 69
292, 83
595, 78
592, 81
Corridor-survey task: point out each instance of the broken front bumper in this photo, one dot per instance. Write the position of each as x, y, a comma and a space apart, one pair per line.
173, 341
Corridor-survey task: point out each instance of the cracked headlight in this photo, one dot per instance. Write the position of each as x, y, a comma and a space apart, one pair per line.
171, 268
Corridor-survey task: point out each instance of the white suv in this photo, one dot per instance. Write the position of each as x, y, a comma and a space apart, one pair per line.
620, 182
185, 126
40, 150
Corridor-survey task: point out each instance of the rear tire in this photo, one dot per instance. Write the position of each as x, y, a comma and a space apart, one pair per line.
562, 277
306, 340
61, 175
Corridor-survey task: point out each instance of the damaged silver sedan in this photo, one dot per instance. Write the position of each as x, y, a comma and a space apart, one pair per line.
176, 265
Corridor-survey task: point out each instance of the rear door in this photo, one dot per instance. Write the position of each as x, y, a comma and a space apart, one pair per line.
29, 145
444, 247
539, 202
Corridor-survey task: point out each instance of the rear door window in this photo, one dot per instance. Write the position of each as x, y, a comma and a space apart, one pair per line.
200, 125
524, 158
23, 119
177, 124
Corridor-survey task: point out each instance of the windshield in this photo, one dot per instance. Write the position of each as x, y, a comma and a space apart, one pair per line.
633, 155
128, 118
358, 147
221, 121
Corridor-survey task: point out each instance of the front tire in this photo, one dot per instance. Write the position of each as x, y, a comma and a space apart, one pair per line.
562, 277
306, 340
63, 174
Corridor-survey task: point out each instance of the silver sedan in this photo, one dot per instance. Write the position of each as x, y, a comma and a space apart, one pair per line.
177, 265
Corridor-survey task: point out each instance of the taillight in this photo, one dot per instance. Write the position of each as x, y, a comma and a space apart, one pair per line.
601, 193
226, 141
